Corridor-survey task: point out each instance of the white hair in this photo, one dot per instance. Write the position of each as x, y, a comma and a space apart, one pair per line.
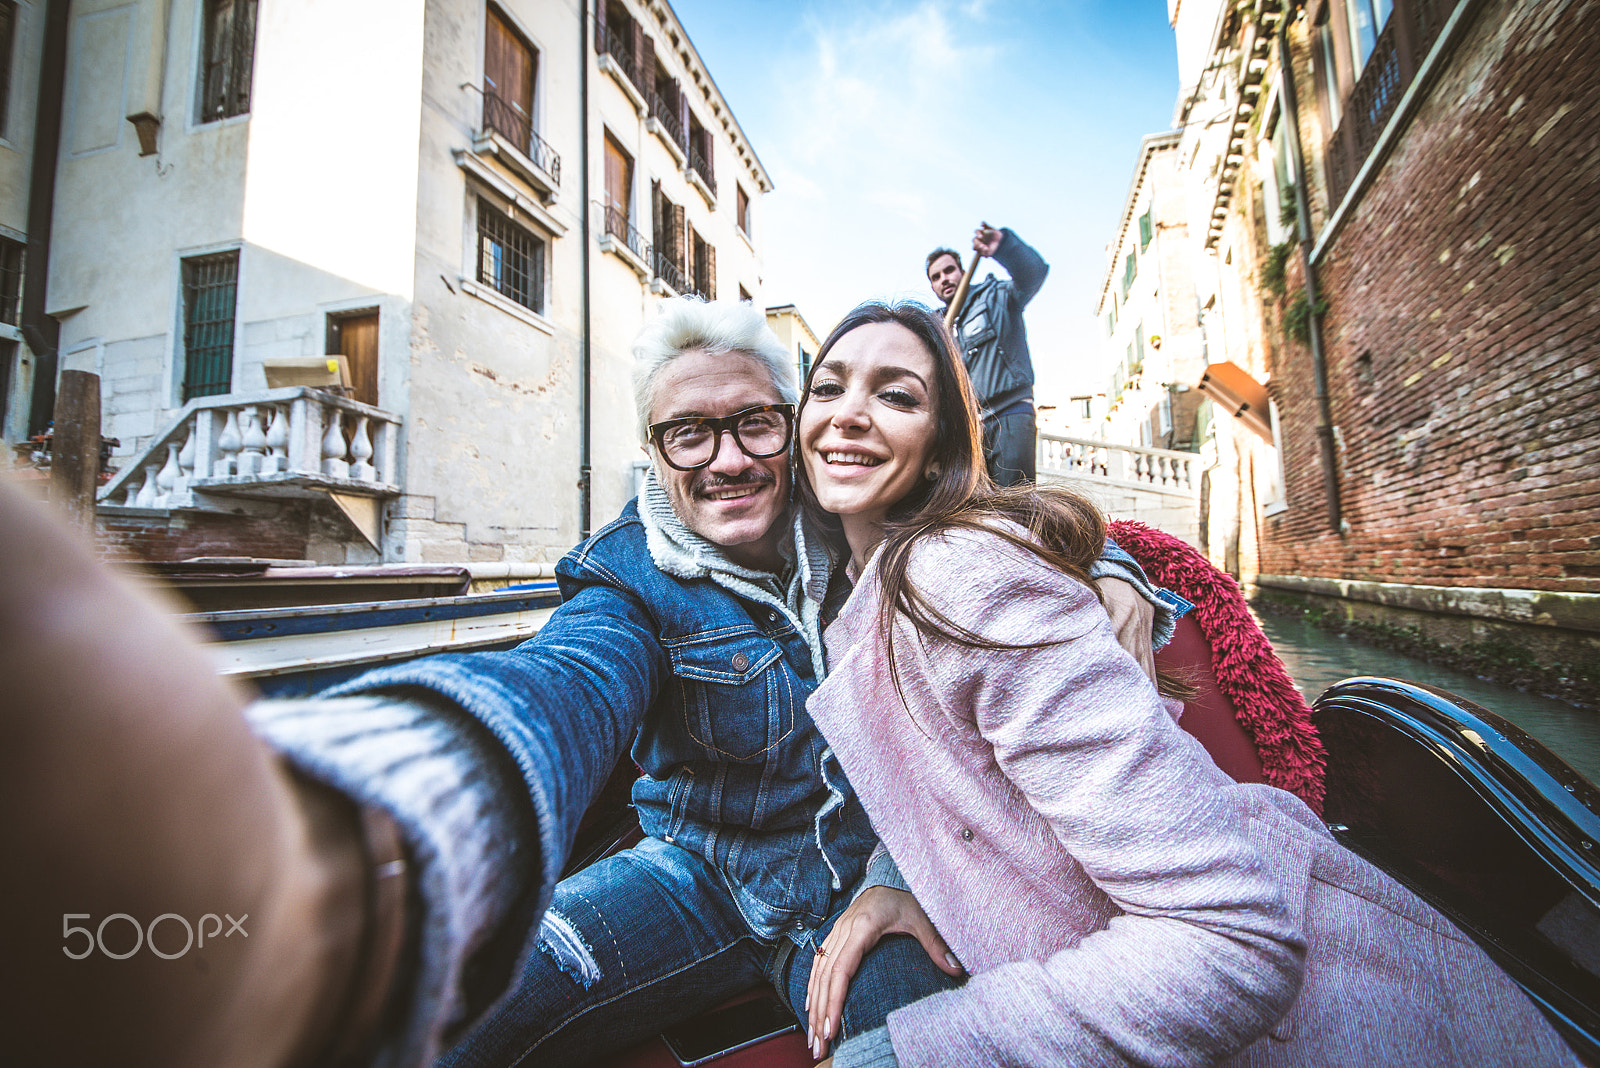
688, 324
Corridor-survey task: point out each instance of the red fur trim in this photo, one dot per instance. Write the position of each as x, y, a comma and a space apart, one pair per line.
1249, 673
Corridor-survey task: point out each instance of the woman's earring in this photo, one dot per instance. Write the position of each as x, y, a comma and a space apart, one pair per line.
932, 474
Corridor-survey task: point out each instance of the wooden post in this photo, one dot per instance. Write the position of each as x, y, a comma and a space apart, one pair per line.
75, 447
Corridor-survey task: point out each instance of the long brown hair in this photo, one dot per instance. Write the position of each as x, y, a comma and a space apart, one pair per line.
1064, 528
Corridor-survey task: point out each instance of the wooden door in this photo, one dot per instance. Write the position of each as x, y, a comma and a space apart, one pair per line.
356, 338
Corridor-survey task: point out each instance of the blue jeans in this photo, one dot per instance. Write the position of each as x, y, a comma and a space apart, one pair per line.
649, 937
1011, 448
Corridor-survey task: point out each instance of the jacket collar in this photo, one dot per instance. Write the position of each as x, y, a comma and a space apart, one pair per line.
798, 593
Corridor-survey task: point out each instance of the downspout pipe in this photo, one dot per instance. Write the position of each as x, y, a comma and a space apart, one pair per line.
585, 455
42, 333
1326, 430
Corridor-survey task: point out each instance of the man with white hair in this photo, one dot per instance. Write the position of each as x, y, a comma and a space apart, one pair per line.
690, 629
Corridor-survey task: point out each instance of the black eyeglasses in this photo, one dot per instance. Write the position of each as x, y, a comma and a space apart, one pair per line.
691, 443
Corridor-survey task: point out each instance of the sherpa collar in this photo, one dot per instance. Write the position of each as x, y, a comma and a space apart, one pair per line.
679, 551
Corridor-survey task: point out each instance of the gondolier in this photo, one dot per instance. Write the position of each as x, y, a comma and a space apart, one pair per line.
994, 343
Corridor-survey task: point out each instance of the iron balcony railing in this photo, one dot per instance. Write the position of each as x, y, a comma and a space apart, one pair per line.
617, 226
671, 275
508, 120
1378, 90
621, 53
698, 164
667, 115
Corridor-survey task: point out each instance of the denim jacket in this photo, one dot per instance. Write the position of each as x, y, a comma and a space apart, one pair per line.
709, 688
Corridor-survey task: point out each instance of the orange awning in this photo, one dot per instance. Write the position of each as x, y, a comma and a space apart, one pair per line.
1231, 387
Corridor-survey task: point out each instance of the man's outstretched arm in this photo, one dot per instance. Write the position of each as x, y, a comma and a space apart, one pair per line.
1026, 267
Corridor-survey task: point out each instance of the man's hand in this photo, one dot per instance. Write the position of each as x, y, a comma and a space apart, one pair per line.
878, 911
1132, 617
986, 240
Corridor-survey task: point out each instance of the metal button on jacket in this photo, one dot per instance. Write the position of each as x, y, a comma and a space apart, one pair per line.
966, 833
740, 661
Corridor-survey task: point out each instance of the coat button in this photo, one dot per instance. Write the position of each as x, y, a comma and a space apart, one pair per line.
966, 833
740, 661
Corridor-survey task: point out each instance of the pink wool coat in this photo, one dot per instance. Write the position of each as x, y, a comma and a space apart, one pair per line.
1117, 898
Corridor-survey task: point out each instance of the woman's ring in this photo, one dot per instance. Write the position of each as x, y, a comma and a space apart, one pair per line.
821, 952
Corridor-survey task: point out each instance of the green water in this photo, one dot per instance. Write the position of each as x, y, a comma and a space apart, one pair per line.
1317, 659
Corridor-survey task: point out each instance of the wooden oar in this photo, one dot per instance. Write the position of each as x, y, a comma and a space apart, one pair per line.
960, 298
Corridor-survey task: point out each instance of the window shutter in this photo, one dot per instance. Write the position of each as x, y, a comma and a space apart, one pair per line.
600, 26
677, 243
689, 244
647, 68
711, 271
683, 118
637, 46
1144, 230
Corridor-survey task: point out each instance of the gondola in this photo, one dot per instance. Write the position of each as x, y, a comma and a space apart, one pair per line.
1473, 814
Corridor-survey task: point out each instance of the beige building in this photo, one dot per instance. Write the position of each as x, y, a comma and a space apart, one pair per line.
473, 212
796, 335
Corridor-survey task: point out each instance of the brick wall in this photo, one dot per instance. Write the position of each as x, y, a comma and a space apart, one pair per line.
1461, 337
280, 535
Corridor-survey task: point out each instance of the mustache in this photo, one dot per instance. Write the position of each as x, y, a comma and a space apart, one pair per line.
752, 479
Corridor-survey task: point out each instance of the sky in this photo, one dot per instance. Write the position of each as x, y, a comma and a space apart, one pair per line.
891, 127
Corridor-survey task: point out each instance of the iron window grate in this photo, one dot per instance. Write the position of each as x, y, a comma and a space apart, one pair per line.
210, 290
510, 259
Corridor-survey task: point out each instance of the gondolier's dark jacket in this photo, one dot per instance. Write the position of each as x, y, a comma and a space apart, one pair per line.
990, 331
708, 688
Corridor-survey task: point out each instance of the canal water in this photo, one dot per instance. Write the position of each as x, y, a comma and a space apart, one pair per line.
1318, 658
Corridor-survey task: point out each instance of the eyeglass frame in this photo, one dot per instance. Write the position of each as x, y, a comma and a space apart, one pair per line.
720, 425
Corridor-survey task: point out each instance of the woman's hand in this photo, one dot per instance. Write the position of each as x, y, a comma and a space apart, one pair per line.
878, 911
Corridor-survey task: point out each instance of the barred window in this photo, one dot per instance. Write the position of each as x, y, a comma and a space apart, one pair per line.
8, 22
230, 46
510, 259
10, 280
210, 290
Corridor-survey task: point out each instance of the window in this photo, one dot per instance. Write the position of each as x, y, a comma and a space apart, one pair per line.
805, 361
618, 36
1082, 407
10, 282
510, 68
1330, 70
619, 197
666, 107
741, 203
8, 24
668, 223
210, 290
744, 295
700, 153
1130, 268
1146, 231
702, 265
1367, 19
230, 45
1111, 319
510, 259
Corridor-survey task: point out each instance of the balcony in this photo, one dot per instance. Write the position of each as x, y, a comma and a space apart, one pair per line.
617, 60
509, 136
622, 240
665, 123
1401, 45
669, 279
276, 443
699, 174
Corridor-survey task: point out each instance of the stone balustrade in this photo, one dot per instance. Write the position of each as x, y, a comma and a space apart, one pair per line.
1159, 469
288, 442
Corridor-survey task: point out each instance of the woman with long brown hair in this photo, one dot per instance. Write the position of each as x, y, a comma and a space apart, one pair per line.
1116, 898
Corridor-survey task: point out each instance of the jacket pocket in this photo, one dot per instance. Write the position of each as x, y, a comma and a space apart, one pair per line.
734, 703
